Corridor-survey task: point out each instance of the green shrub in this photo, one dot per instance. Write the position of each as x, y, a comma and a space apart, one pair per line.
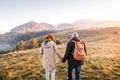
58, 42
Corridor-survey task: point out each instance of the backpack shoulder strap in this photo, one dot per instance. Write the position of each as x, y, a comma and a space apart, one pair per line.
75, 43
81, 42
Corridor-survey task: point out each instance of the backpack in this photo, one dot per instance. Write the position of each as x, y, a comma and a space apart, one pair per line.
79, 52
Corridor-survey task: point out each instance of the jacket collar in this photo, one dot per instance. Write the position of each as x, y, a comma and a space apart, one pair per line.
76, 39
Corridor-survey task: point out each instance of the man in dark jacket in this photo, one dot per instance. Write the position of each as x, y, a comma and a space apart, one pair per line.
72, 63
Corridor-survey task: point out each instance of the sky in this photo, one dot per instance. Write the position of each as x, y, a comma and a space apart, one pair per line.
16, 12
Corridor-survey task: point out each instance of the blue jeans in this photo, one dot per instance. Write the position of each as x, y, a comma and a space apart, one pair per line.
77, 72
52, 74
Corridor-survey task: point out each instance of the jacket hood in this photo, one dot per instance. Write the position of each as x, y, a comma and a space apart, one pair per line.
47, 44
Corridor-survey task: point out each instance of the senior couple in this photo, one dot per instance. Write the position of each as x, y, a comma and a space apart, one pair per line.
49, 49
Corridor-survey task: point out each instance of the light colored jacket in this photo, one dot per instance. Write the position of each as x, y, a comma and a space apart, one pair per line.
48, 51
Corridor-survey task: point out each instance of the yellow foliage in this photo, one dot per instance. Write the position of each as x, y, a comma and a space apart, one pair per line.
34, 43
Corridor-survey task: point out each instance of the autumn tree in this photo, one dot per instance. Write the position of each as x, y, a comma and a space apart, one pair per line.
21, 45
33, 43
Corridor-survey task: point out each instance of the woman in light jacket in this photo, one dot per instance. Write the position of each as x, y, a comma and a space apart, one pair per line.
48, 50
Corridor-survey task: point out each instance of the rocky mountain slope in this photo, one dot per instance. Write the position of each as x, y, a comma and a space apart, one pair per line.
24, 32
34, 29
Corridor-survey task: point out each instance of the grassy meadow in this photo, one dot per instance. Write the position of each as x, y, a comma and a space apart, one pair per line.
102, 61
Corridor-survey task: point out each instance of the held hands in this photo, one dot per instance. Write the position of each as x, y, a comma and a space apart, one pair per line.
60, 57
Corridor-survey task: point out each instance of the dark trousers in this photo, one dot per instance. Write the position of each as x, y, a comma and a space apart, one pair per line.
77, 72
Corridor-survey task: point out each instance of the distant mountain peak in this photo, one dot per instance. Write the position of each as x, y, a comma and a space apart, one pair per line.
31, 26
31, 22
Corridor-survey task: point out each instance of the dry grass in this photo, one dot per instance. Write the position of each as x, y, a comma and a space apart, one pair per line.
103, 63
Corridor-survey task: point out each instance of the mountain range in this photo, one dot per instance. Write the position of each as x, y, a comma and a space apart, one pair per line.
33, 29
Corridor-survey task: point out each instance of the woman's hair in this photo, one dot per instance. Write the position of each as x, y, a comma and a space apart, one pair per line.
50, 37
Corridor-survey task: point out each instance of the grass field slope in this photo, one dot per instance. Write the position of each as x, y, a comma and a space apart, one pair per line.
102, 62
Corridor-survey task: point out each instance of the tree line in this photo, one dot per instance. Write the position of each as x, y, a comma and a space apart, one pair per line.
34, 43
22, 45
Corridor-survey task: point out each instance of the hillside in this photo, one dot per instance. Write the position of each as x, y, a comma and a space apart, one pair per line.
103, 57
110, 34
102, 63
24, 32
33, 29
